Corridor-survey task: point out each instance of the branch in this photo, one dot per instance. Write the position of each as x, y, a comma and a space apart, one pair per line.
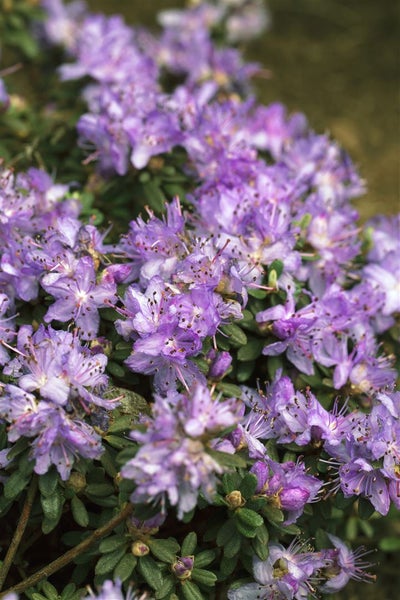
63, 560
19, 532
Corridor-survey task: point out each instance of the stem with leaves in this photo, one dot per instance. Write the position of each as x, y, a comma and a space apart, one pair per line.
19, 532
66, 558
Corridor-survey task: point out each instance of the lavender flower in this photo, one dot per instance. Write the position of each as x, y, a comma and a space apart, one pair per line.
79, 297
172, 462
287, 573
59, 437
4, 97
345, 565
112, 590
286, 486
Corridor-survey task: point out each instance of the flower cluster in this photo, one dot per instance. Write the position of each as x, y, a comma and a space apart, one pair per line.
293, 573
223, 368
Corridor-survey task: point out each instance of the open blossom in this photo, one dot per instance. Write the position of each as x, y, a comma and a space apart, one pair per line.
79, 297
53, 364
59, 438
345, 564
172, 462
112, 590
287, 574
286, 486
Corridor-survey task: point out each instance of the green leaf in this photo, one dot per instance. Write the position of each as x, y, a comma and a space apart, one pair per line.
245, 529
244, 371
49, 524
236, 335
107, 462
248, 485
112, 543
121, 423
251, 350
125, 567
109, 314
202, 559
154, 196
231, 482
115, 369
276, 265
52, 505
107, 562
263, 534
260, 548
227, 565
342, 502
225, 459
105, 502
229, 389
273, 364
274, 515
226, 532
25, 465
168, 585
190, 591
49, 590
117, 442
165, 550
150, 571
99, 489
15, 484
351, 529
189, 544
48, 482
71, 593
79, 512
365, 508
257, 293
390, 544
249, 517
204, 577
232, 546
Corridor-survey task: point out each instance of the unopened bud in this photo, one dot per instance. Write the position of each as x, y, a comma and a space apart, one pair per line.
139, 548
182, 567
272, 278
77, 482
235, 499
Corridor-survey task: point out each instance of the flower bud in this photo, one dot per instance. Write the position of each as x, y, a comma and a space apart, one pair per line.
293, 498
235, 499
182, 567
139, 548
77, 482
220, 363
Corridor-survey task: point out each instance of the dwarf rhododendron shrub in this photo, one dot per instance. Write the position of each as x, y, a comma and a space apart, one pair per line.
197, 337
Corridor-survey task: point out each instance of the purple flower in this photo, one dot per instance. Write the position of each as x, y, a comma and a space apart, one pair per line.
4, 97
360, 478
6, 327
271, 129
79, 297
294, 329
112, 590
59, 438
155, 247
345, 565
287, 486
172, 462
61, 21
287, 574
54, 365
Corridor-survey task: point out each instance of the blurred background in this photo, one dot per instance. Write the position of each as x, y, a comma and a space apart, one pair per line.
338, 62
